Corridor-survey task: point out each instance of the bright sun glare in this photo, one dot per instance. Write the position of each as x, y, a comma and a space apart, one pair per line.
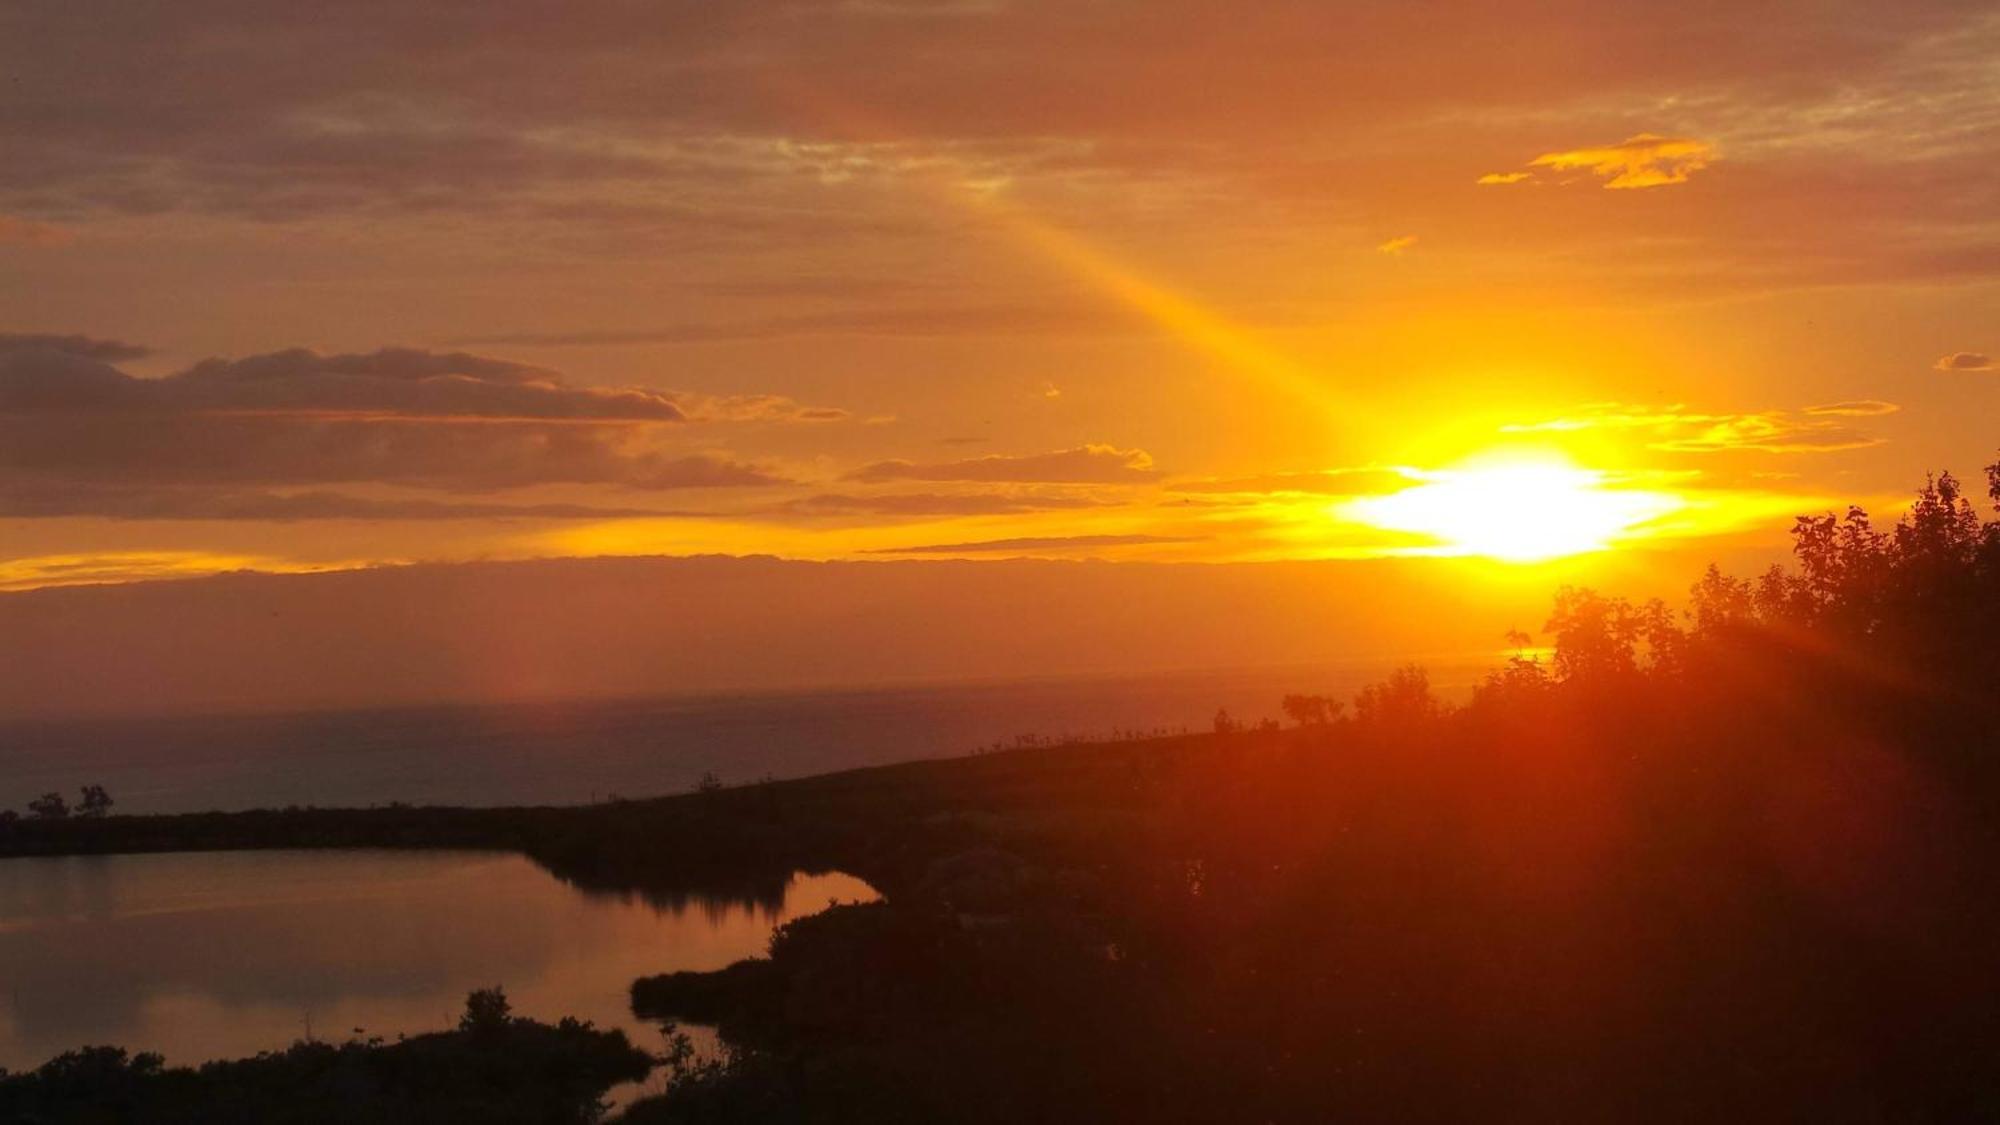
1517, 509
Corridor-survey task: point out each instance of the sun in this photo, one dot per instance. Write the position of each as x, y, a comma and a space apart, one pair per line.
1517, 508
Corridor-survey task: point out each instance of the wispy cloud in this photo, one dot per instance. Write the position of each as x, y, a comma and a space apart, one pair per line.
103, 567
1085, 464
1323, 482
1677, 429
1857, 408
88, 347
25, 232
891, 322
168, 502
1966, 361
1032, 544
72, 424
752, 408
1642, 161
935, 504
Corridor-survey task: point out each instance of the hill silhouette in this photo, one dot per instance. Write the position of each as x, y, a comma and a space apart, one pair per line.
1732, 862
1728, 861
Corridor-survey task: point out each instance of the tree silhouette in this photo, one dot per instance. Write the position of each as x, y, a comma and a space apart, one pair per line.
48, 806
1312, 710
486, 1011
1405, 697
1719, 603
1596, 637
96, 801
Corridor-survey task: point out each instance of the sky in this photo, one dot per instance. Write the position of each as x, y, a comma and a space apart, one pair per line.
369, 283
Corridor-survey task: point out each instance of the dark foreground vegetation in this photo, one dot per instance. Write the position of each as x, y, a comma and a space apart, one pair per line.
1735, 862
493, 1068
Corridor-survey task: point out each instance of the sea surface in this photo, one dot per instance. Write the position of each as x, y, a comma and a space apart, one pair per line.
582, 752
223, 954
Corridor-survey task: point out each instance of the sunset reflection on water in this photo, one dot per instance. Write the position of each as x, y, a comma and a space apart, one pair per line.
220, 955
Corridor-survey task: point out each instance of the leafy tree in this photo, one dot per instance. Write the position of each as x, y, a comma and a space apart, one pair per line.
48, 806
1522, 678
1596, 637
1719, 603
1405, 697
1312, 710
1941, 530
486, 1011
96, 801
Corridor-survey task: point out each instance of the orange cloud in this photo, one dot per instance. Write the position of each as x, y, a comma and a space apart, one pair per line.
1676, 429
24, 232
1087, 464
1642, 161
1967, 361
1325, 482
103, 567
1857, 408
1398, 244
1032, 544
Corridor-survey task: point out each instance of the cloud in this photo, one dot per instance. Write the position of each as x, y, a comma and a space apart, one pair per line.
151, 502
1771, 433
23, 232
1325, 482
1858, 408
107, 567
88, 347
753, 408
1085, 464
1967, 361
393, 381
252, 450
1677, 429
936, 504
396, 416
657, 134
1094, 318
378, 111
1033, 544
934, 9
1641, 161
1396, 246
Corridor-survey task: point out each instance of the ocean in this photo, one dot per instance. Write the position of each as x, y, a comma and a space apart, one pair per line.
588, 751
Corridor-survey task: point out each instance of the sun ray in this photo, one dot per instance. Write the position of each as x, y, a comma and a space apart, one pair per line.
957, 185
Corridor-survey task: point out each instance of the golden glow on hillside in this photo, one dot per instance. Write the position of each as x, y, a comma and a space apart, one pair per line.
1514, 508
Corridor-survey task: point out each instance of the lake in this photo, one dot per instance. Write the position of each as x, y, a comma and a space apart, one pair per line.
222, 954
579, 752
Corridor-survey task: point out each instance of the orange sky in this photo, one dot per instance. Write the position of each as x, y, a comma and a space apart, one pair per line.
896, 279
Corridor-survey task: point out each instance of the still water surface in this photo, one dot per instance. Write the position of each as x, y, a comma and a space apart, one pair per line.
222, 954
